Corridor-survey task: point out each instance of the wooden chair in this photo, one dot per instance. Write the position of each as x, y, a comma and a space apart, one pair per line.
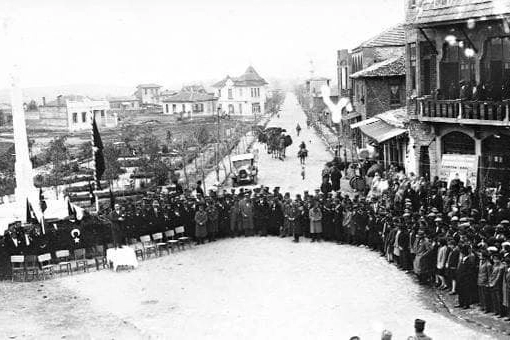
18, 267
170, 241
63, 261
100, 257
138, 248
45, 264
148, 246
31, 266
183, 240
81, 259
160, 245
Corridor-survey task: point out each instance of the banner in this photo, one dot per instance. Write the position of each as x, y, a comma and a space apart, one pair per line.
464, 167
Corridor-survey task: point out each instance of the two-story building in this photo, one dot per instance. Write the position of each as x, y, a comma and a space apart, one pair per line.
458, 89
373, 76
244, 95
190, 101
148, 94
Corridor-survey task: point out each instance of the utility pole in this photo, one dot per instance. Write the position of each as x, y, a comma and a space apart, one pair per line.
217, 168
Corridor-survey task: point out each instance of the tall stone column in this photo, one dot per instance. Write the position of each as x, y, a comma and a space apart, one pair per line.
23, 166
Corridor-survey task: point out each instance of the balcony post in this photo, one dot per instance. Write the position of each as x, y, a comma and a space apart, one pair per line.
507, 111
421, 107
460, 109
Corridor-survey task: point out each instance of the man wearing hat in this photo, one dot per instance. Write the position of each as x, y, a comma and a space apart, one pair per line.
419, 327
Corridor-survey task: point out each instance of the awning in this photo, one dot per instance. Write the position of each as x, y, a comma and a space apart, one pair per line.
364, 122
381, 131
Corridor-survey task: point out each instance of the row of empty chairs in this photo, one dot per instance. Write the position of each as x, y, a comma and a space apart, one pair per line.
44, 265
156, 243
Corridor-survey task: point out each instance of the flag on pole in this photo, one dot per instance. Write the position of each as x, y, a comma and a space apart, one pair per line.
112, 200
30, 213
97, 147
42, 202
91, 194
70, 210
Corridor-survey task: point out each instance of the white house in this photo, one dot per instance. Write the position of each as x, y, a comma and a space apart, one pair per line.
244, 95
79, 114
148, 94
191, 100
71, 113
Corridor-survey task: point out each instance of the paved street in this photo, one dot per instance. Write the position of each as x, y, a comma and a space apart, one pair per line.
287, 174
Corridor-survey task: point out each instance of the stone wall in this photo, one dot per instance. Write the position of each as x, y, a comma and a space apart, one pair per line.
377, 98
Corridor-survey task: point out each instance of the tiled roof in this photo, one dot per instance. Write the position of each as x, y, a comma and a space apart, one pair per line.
149, 85
387, 68
394, 36
455, 10
396, 117
189, 97
249, 78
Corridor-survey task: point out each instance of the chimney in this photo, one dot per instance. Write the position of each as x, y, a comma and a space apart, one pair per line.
59, 100
44, 101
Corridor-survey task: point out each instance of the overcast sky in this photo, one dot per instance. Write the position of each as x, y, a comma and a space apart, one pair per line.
172, 42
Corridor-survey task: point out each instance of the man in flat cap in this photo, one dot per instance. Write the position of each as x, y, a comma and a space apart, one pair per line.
419, 327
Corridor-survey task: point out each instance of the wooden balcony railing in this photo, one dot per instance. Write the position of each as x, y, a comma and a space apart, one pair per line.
462, 111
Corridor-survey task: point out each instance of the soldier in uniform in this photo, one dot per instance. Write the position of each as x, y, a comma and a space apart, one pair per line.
200, 224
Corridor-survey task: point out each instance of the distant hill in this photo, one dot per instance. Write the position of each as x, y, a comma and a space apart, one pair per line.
51, 92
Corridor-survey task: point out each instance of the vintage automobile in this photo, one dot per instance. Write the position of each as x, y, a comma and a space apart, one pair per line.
244, 169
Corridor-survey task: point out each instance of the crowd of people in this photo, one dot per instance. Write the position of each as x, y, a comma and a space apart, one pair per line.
449, 236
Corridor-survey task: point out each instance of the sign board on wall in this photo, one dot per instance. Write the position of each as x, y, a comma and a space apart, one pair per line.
463, 166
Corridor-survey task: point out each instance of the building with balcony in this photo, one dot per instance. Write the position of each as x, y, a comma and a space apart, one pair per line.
458, 89
190, 101
244, 95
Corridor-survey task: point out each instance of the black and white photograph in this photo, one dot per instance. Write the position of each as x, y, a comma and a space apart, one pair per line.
255, 169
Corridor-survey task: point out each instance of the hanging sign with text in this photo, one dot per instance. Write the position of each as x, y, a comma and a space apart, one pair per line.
465, 167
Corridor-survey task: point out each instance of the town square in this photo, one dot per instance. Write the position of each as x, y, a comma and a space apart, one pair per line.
189, 171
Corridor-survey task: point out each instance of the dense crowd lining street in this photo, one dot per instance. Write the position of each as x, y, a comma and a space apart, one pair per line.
248, 287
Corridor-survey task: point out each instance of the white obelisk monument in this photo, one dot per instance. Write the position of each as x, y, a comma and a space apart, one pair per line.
23, 167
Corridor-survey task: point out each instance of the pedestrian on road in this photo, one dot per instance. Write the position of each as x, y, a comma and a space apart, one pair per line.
298, 129
303, 172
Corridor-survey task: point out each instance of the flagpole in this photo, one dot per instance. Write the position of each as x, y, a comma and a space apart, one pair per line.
94, 160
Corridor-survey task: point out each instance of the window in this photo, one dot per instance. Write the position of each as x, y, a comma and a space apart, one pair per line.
395, 94
241, 92
183, 108
166, 108
75, 117
412, 54
496, 66
102, 113
255, 108
240, 109
201, 107
255, 92
230, 96
145, 91
174, 108
84, 117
